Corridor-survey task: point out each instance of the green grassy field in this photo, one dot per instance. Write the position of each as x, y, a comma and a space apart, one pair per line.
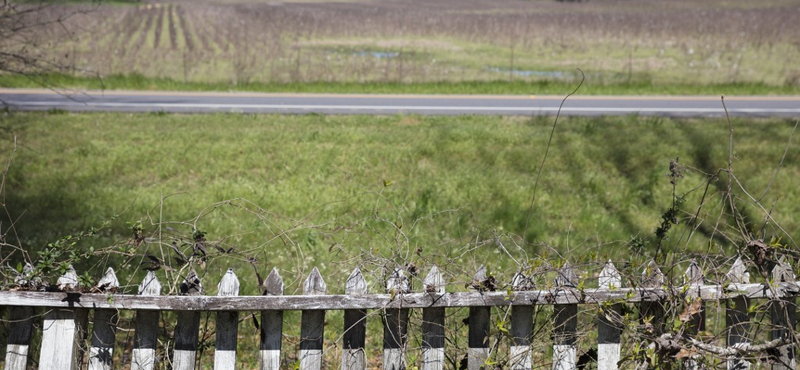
302, 191
590, 86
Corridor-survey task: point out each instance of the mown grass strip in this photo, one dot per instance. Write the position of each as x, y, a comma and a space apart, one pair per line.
136, 81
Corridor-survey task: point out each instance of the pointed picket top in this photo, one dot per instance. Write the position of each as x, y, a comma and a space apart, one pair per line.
520, 282
738, 273
398, 282
228, 285
483, 282
69, 280
782, 272
566, 276
610, 277
273, 284
356, 284
480, 275
191, 285
652, 277
314, 285
24, 278
694, 275
109, 282
150, 285
434, 283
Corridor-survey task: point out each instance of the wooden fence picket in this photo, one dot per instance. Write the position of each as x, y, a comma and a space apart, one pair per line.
433, 324
312, 325
783, 312
395, 323
695, 308
521, 327
651, 311
737, 319
104, 327
20, 326
19, 338
479, 323
146, 334
227, 329
355, 326
61, 333
271, 325
608, 325
187, 328
565, 322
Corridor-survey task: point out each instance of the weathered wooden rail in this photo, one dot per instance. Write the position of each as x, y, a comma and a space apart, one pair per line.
66, 319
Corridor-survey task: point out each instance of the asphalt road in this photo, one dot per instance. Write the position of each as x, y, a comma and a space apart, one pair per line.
184, 102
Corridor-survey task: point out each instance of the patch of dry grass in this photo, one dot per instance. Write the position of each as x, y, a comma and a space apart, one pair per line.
614, 41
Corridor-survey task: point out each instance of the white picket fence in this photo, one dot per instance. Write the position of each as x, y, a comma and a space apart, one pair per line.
66, 319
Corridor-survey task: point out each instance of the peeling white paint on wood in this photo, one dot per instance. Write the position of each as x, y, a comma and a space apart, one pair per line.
186, 330
63, 322
693, 278
564, 357
19, 338
355, 326
143, 356
381, 301
395, 323
227, 325
271, 324
737, 318
59, 337
783, 314
521, 327
565, 323
433, 324
312, 325
608, 334
104, 326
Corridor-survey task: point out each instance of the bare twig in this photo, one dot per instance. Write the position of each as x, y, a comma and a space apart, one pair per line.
544, 158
